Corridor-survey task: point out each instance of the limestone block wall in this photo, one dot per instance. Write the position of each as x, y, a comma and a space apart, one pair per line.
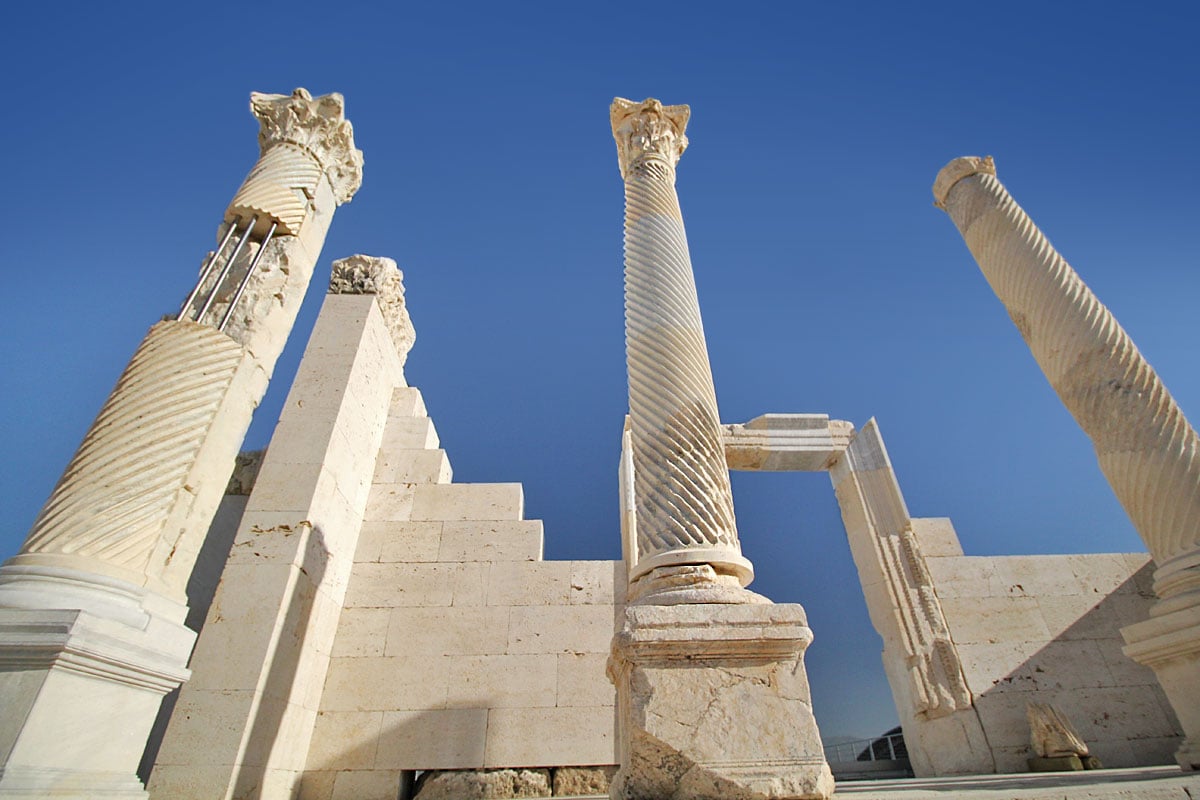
1046, 629
458, 647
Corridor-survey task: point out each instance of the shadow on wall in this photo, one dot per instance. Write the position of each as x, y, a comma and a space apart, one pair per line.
1076, 665
201, 588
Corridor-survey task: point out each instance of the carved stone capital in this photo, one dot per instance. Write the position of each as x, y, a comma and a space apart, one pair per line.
316, 125
359, 274
955, 171
648, 130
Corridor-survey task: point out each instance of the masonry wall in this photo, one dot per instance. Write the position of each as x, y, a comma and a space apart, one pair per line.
458, 647
1046, 629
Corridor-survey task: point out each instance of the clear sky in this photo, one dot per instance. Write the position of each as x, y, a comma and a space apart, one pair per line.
827, 280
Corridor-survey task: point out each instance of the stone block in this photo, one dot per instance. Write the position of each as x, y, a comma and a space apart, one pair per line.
583, 781
448, 631
366, 785
387, 684
468, 501
597, 583
492, 541
936, 536
583, 682
451, 738
970, 576
390, 502
362, 632
560, 629
1078, 617
316, 785
412, 466
407, 402
409, 433
1070, 665
998, 667
224, 713
1100, 574
1040, 576
981, 620
392, 585
345, 740
502, 681
483, 784
578, 736
412, 542
529, 583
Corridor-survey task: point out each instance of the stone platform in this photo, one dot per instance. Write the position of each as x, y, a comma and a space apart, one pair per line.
1141, 783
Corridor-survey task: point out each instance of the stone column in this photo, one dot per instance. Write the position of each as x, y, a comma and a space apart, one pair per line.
686, 533
712, 694
1147, 450
91, 608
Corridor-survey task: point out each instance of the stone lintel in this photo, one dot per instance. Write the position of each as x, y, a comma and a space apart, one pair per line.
955, 171
377, 275
316, 125
786, 443
648, 130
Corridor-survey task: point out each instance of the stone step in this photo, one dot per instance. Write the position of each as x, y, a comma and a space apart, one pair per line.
413, 466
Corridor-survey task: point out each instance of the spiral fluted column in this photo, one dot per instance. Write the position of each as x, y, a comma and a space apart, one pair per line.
1146, 448
92, 607
684, 505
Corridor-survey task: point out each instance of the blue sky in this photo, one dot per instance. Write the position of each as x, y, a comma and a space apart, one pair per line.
828, 282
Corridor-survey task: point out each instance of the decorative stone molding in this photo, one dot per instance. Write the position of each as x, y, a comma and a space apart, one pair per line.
319, 127
786, 443
360, 274
875, 513
648, 130
1051, 734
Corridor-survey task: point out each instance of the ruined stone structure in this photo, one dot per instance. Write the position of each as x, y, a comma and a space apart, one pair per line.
1147, 450
372, 620
91, 609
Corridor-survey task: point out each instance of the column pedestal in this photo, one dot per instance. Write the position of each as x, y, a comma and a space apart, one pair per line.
1169, 644
79, 689
713, 702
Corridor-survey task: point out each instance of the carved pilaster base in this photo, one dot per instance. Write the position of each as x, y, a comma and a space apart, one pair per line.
80, 685
713, 702
1170, 645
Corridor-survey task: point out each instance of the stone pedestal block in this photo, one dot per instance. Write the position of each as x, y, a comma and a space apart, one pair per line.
79, 689
1170, 645
714, 702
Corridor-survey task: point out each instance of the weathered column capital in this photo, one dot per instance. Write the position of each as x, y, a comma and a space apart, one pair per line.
316, 125
360, 274
955, 171
648, 130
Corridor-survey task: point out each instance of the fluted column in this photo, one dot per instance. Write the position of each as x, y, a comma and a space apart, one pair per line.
92, 607
686, 532
1147, 450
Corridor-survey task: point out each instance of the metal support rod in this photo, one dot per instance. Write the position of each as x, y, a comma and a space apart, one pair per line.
212, 295
246, 278
208, 267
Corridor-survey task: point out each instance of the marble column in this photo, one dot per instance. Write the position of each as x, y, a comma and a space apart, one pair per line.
92, 607
687, 542
712, 695
1147, 450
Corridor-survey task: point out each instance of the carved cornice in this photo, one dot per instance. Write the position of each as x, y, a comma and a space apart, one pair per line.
316, 125
955, 171
648, 130
359, 274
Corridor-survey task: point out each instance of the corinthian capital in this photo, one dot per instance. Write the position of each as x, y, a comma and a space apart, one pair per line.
648, 130
316, 125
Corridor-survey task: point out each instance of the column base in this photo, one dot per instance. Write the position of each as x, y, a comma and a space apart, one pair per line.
1169, 643
80, 686
713, 702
